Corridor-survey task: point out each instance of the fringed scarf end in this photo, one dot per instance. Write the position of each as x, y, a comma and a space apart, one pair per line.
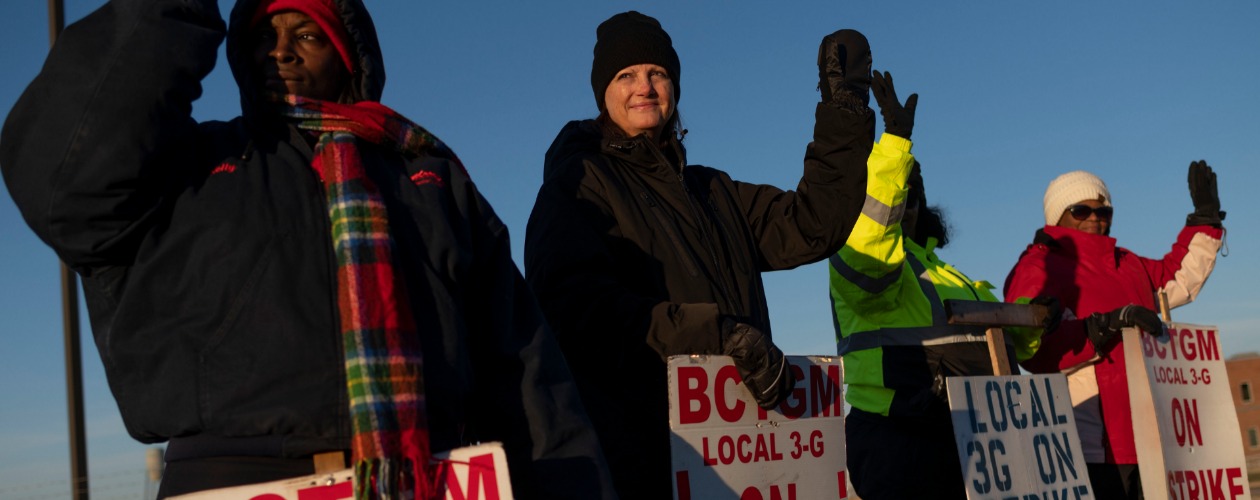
394, 479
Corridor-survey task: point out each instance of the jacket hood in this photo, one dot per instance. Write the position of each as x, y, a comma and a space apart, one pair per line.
369, 75
578, 137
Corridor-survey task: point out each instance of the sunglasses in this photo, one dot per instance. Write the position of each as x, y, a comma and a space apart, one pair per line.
1081, 212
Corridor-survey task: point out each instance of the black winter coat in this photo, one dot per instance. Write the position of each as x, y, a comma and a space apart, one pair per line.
635, 257
208, 265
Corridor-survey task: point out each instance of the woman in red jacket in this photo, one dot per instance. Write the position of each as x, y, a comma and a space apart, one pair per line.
1104, 288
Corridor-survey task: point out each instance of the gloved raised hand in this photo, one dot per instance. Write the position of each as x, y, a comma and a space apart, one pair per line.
898, 119
1103, 327
762, 365
1207, 205
844, 68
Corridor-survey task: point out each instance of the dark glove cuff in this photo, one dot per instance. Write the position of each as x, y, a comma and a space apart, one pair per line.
897, 131
1206, 218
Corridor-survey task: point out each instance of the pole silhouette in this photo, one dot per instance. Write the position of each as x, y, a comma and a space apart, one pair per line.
70, 331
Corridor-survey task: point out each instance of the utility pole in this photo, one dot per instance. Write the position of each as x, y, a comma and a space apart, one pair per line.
70, 331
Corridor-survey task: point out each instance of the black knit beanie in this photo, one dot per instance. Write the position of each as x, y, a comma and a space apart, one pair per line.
627, 39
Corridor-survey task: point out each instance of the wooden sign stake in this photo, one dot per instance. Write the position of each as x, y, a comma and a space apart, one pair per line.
995, 315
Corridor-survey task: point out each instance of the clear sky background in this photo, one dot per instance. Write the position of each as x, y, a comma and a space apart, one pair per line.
1011, 95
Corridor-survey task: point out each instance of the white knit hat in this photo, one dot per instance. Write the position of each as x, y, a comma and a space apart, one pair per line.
1072, 188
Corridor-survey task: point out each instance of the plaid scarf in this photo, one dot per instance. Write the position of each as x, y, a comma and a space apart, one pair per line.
384, 369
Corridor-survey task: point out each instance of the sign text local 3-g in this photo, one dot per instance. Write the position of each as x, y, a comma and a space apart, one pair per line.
724, 446
1017, 439
1184, 423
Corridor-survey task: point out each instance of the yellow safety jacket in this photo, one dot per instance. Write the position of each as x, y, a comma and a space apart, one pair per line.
887, 294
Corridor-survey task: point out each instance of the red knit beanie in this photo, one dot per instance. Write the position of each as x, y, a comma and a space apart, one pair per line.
322, 12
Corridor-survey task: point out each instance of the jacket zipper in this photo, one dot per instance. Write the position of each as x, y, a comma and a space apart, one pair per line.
719, 276
672, 230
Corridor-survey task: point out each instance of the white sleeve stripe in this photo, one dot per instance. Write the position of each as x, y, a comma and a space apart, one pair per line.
1196, 266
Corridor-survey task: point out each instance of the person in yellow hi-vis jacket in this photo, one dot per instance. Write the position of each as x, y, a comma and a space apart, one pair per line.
887, 291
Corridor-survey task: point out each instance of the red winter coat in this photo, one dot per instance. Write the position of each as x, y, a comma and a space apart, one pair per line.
1088, 273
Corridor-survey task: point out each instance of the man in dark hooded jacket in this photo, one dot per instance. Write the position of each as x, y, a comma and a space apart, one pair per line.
244, 279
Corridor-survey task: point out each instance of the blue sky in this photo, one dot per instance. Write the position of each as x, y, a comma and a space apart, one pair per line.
1011, 95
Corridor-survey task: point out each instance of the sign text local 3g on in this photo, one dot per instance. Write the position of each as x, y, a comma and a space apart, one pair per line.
724, 446
1017, 438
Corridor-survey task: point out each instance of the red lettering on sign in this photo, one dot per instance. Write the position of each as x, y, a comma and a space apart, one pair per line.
1209, 350
774, 450
1213, 481
1205, 484
746, 448
338, 491
741, 444
726, 450
1187, 351
684, 485
753, 493
1235, 489
762, 452
1185, 422
692, 382
708, 461
774, 492
1199, 345
794, 411
842, 484
481, 477
816, 443
727, 374
267, 496
1192, 485
825, 391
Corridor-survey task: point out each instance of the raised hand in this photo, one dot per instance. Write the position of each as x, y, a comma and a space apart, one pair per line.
898, 118
844, 67
1207, 204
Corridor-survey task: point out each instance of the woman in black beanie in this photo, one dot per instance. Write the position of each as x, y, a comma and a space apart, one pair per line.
636, 256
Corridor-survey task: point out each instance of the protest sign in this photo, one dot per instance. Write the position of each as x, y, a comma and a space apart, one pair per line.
1184, 424
472, 473
724, 446
1017, 438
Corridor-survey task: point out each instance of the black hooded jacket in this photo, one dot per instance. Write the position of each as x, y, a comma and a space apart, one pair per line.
635, 257
208, 266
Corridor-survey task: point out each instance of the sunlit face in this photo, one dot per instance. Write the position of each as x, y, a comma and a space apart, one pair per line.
640, 99
1093, 224
292, 55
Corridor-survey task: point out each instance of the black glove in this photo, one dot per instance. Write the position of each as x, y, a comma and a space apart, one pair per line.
1207, 205
844, 68
898, 119
762, 365
1103, 327
1054, 311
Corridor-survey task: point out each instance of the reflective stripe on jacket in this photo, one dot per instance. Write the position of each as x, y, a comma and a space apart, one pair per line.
887, 294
